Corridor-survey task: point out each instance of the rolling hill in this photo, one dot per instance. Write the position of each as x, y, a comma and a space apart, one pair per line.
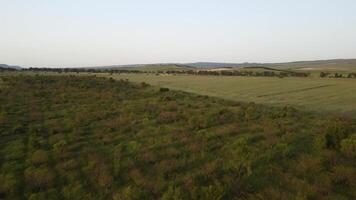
335, 64
10, 66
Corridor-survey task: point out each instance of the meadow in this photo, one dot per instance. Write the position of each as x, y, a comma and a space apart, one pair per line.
86, 137
310, 94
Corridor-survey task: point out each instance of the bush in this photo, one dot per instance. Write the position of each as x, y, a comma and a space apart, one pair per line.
39, 157
173, 193
44, 195
105, 180
128, 193
167, 117
39, 177
335, 132
74, 191
348, 146
8, 184
69, 164
216, 191
163, 89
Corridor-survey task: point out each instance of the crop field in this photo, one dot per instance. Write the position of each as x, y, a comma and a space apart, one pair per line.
314, 94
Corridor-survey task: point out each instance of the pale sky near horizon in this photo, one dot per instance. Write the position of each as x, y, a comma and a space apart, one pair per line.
77, 33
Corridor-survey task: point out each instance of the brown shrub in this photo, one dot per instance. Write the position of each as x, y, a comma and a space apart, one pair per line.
105, 180
39, 177
167, 117
39, 157
69, 164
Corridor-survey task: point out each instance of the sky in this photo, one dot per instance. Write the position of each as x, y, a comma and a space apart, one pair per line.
78, 33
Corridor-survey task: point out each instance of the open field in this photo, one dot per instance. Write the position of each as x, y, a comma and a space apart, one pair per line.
85, 137
315, 94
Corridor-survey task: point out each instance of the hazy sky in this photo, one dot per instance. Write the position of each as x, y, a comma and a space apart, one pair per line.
65, 33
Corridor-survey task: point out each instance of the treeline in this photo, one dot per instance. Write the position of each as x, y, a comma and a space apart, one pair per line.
243, 73
277, 73
84, 137
336, 75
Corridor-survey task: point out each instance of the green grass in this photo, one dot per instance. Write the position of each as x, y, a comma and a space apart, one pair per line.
314, 94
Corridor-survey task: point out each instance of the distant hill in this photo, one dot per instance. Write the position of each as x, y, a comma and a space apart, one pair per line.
339, 64
316, 65
148, 67
10, 66
161, 67
219, 65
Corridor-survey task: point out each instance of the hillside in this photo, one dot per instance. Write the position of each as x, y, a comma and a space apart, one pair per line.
340, 64
337, 64
10, 66
159, 67
83, 137
146, 67
220, 65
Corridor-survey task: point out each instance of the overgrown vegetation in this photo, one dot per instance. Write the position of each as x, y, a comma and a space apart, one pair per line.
71, 137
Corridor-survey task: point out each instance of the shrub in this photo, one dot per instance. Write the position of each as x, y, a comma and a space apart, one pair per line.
60, 146
163, 89
167, 117
69, 164
8, 184
215, 191
74, 191
44, 195
348, 146
105, 179
220, 117
39, 157
144, 84
56, 138
39, 177
13, 150
336, 131
344, 177
128, 193
173, 193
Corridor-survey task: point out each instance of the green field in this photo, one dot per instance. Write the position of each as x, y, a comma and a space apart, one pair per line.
84, 137
314, 94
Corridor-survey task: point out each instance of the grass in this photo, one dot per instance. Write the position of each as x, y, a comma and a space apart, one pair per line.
312, 94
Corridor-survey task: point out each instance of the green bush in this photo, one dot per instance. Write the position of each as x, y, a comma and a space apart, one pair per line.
336, 131
8, 184
163, 89
128, 193
348, 146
